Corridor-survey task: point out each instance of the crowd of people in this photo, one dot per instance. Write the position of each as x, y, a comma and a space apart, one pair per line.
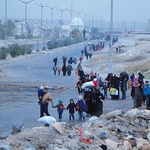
45, 97
117, 87
93, 91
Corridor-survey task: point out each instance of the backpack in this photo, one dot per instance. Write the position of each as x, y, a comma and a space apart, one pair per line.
61, 107
82, 106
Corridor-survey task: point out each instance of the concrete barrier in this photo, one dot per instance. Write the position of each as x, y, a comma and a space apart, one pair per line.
17, 127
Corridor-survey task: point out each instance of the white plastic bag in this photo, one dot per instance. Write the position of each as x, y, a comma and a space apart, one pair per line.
47, 120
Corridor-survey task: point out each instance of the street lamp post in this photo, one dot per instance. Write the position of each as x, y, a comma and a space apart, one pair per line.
52, 11
41, 6
62, 20
111, 38
26, 3
78, 15
85, 18
90, 20
5, 21
93, 26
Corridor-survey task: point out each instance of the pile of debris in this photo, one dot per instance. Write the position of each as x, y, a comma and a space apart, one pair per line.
114, 131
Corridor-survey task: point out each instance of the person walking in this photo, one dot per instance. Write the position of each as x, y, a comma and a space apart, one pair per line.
64, 70
55, 61
60, 108
105, 88
71, 107
132, 79
55, 70
59, 71
69, 69
79, 86
81, 107
98, 102
137, 93
44, 103
147, 94
141, 78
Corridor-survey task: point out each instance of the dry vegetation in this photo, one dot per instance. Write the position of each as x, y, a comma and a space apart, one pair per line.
134, 59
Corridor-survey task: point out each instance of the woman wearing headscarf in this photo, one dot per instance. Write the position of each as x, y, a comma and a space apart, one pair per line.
137, 93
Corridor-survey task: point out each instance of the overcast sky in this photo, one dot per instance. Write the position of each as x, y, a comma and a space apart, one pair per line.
124, 10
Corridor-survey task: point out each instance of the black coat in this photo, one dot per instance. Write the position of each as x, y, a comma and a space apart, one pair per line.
71, 108
133, 90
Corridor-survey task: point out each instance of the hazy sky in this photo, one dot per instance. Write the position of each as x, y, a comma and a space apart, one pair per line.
124, 10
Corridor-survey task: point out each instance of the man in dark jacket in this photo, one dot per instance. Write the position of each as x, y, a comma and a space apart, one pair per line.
64, 70
141, 78
55, 61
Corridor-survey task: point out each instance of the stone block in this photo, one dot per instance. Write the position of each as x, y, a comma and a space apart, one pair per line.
113, 114
4, 147
4, 135
17, 127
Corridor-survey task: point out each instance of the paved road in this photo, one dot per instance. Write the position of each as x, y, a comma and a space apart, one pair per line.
36, 70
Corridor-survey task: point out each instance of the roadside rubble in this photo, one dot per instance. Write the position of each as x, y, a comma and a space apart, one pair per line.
114, 131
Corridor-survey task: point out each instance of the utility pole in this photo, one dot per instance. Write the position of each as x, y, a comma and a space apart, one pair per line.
111, 39
26, 3
62, 22
5, 22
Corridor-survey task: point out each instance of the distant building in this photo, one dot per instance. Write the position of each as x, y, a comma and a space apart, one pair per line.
66, 29
77, 23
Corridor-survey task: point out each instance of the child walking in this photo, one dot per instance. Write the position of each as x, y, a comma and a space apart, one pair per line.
71, 108
59, 71
60, 108
81, 107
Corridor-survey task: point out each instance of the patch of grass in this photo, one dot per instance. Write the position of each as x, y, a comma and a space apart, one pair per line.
137, 58
142, 67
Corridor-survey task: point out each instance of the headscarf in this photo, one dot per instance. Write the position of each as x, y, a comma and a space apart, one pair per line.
136, 82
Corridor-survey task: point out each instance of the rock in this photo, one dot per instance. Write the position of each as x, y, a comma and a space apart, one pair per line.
56, 148
58, 141
72, 144
70, 135
113, 114
92, 119
87, 133
140, 142
148, 137
103, 147
145, 147
17, 127
127, 145
132, 141
4, 147
4, 135
133, 113
111, 144
121, 119
58, 127
103, 135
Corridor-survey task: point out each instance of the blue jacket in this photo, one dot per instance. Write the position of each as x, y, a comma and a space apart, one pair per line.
147, 90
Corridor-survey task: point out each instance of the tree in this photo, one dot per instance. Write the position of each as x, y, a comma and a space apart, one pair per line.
7, 27
77, 35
